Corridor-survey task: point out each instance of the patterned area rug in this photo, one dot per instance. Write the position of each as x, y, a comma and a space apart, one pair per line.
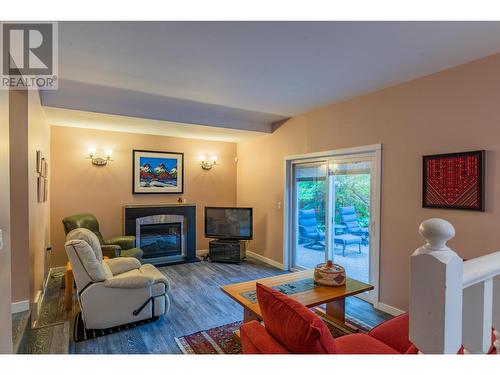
221, 340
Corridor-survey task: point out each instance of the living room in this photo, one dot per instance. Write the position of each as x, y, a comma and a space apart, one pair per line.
246, 174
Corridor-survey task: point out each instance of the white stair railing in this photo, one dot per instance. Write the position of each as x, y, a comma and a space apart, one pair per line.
496, 312
478, 279
452, 302
436, 291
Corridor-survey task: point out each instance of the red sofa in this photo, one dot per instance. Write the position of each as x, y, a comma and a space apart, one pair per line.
291, 328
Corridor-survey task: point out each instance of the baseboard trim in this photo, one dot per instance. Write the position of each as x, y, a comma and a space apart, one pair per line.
37, 306
46, 282
263, 259
394, 311
39, 297
20, 306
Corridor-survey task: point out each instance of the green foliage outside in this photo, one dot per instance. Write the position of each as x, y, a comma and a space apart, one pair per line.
350, 190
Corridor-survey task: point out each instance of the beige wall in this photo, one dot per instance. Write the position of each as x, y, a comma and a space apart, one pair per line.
260, 183
39, 213
30, 219
5, 261
455, 110
78, 186
19, 193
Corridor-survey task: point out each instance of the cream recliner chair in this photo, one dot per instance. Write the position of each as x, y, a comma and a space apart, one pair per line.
116, 291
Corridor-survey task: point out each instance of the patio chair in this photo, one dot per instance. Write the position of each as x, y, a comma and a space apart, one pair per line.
348, 239
350, 220
308, 230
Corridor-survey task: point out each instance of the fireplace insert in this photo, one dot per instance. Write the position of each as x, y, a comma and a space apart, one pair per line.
161, 238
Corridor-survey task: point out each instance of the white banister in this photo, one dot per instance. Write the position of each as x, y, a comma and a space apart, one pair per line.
480, 298
477, 316
481, 268
496, 312
452, 302
436, 291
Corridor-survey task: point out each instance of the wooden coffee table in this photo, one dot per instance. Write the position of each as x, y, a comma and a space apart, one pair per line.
333, 297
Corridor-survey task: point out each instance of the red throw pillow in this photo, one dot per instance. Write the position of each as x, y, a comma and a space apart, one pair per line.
292, 324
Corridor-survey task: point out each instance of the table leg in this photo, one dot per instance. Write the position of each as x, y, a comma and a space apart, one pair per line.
237, 335
249, 315
68, 292
336, 309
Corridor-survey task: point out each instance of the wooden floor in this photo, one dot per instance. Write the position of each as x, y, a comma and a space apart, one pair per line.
20, 329
196, 304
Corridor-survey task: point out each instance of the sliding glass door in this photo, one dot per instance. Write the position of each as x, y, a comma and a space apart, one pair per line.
332, 214
310, 212
351, 192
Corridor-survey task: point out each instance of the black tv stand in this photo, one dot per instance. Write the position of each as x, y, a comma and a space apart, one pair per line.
226, 250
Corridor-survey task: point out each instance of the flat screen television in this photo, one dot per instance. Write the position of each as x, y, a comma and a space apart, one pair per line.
231, 223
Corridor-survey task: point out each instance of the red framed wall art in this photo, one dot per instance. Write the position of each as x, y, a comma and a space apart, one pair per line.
454, 181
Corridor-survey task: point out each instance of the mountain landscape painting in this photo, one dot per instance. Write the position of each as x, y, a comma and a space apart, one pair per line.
158, 172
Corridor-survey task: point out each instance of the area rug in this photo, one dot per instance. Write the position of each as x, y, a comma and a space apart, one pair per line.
80, 333
221, 340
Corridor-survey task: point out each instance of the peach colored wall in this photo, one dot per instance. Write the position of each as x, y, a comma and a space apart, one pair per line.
454, 110
78, 186
39, 212
5, 254
263, 157
19, 214
29, 132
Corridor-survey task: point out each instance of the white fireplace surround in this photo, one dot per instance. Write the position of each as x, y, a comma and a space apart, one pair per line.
162, 219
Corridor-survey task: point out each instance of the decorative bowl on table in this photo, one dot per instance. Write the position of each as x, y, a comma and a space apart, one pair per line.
329, 274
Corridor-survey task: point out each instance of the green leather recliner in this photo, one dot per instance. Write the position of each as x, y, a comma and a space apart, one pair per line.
122, 246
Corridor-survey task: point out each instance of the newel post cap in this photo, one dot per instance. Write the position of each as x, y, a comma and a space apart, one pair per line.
437, 232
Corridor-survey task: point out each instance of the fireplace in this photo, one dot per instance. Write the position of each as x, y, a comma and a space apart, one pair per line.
165, 232
162, 238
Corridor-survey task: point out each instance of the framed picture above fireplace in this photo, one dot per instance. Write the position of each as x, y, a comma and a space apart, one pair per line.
157, 172
454, 181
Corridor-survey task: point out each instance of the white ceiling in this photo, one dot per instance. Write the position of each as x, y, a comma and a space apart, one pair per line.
272, 69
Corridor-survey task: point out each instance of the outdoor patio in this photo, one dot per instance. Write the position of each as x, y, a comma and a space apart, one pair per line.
356, 264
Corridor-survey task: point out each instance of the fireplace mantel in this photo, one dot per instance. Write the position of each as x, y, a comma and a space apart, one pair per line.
132, 212
160, 205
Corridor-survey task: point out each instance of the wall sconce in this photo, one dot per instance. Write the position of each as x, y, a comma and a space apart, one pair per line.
208, 164
97, 160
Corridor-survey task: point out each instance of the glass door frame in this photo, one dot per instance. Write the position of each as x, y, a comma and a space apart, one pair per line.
290, 221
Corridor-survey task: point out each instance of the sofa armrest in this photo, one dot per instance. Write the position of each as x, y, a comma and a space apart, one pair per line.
125, 242
111, 251
256, 340
122, 264
129, 282
394, 332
